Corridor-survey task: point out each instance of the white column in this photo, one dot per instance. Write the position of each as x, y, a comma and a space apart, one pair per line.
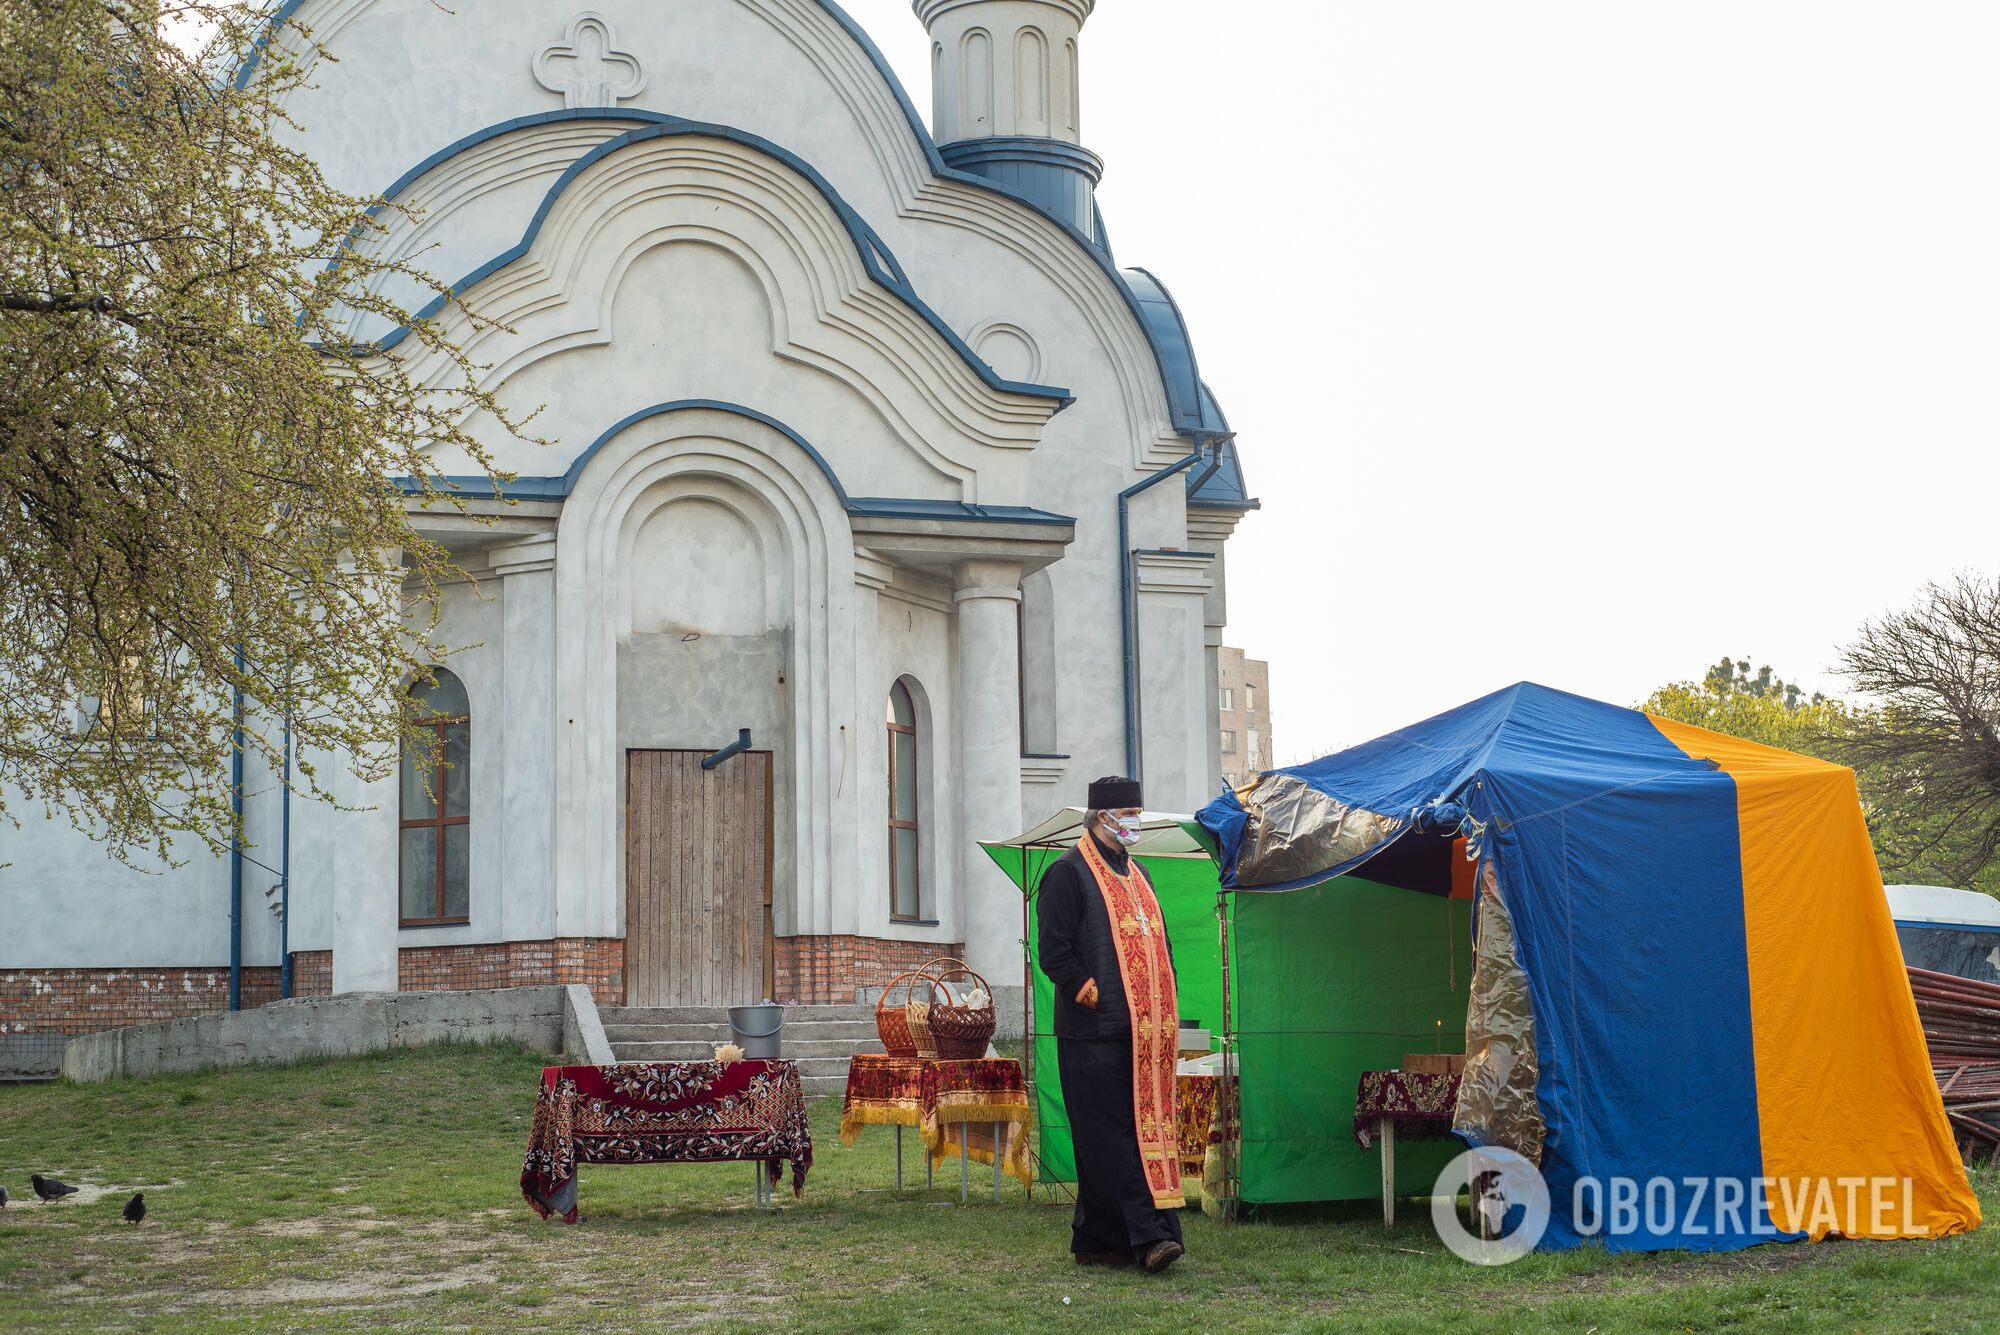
1209, 530
865, 907
1176, 703
525, 733
1212, 676
367, 908
989, 762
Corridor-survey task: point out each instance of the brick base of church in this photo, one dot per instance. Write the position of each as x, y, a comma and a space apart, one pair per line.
831, 970
808, 970
596, 962
84, 1001
312, 973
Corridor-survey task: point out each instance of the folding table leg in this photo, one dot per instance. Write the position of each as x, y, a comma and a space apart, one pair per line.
899, 1156
996, 1162
964, 1166
1385, 1132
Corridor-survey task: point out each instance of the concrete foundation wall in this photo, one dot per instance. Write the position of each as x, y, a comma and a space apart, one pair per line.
554, 1019
583, 1037
31, 1056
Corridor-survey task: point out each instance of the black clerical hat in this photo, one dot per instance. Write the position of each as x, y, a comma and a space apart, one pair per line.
1114, 794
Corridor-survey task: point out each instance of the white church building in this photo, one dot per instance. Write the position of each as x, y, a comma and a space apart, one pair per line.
883, 510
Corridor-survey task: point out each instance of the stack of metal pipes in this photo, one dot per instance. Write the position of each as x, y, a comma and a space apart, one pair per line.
1961, 1020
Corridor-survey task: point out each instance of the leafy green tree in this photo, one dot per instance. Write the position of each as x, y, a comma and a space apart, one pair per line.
1759, 708
1733, 677
1916, 840
194, 451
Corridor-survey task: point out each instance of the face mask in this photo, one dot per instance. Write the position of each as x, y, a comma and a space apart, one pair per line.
1125, 829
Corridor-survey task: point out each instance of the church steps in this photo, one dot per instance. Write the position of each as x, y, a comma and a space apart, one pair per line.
820, 1038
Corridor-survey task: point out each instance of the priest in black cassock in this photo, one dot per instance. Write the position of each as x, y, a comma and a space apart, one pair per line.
1103, 944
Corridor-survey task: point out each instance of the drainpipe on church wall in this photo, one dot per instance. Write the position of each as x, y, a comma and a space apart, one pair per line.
285, 870
1129, 585
236, 838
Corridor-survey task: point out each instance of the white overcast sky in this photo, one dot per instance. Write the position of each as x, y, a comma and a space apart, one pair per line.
1574, 342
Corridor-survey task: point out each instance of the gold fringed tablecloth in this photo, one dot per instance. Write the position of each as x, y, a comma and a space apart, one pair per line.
1197, 1119
981, 1104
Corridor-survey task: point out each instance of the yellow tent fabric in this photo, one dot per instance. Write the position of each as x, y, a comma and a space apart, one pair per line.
1854, 1135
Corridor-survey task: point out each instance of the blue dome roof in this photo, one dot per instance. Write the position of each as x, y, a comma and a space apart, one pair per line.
1193, 409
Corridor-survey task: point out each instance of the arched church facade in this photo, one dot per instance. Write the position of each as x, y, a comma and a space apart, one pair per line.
881, 511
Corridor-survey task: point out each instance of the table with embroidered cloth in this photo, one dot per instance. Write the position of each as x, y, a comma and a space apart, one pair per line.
977, 1109
664, 1112
1412, 1105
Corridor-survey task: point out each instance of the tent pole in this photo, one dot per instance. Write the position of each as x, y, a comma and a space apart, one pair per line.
1226, 1101
1027, 1016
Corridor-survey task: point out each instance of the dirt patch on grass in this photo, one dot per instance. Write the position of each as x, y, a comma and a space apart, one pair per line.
1655, 1274
321, 1228
359, 1266
352, 1290
86, 1193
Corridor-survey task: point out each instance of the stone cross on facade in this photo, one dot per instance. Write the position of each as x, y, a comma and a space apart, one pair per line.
587, 67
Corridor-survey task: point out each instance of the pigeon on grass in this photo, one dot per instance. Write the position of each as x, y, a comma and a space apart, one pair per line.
3, 1195
135, 1209
48, 1188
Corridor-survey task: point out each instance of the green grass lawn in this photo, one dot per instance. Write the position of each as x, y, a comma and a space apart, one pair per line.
383, 1194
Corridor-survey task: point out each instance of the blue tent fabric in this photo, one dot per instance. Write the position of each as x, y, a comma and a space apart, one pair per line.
1619, 857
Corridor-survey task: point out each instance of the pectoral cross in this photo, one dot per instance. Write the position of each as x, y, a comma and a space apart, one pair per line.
1145, 924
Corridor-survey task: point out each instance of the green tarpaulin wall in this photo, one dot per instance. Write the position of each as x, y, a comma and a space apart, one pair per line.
1328, 982
1332, 981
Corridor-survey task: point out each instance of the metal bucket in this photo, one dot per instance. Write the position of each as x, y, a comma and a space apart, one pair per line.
758, 1030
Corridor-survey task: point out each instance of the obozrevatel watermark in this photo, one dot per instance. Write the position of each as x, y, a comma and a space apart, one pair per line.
1508, 1207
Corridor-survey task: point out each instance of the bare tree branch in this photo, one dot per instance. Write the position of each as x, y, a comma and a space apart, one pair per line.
1933, 745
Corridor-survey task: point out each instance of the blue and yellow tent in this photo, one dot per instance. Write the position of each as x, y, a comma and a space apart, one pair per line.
1716, 988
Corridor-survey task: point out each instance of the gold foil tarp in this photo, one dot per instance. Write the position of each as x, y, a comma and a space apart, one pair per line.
1496, 1098
1295, 831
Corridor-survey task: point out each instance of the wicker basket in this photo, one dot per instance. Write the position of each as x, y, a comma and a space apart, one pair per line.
917, 1006
892, 1021
941, 1025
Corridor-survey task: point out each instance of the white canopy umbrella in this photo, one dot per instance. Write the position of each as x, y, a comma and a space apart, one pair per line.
1161, 835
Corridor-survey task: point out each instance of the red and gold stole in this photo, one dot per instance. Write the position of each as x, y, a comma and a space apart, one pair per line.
1148, 972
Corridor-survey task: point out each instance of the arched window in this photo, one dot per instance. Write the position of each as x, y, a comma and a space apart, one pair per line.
437, 807
906, 882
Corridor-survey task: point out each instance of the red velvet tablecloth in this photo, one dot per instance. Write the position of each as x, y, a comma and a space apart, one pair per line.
663, 1112
982, 1104
1420, 1103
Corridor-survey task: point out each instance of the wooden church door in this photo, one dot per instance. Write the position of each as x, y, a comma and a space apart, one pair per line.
697, 879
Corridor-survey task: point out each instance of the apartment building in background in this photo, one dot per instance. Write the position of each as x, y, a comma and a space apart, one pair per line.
1244, 714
